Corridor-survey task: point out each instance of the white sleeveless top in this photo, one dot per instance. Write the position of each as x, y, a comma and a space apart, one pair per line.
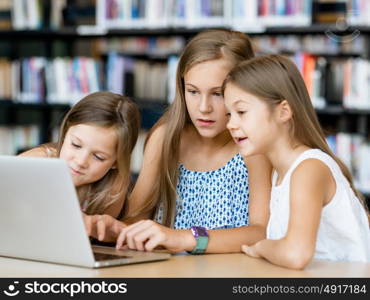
343, 233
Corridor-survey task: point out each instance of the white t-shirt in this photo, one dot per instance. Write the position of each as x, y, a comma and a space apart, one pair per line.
343, 233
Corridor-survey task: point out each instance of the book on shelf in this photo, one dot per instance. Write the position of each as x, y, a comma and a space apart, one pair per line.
358, 12
285, 12
5, 79
173, 61
356, 88
5, 14
334, 81
354, 151
244, 16
138, 152
207, 13
313, 70
30, 14
15, 138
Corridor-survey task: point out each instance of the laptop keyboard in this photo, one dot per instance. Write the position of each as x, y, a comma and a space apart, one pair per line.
104, 256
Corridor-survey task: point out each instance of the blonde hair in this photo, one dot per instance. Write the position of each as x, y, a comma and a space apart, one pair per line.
275, 78
107, 110
208, 45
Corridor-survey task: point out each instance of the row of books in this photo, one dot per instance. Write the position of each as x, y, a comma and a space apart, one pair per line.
202, 13
330, 81
36, 14
240, 14
336, 81
58, 80
66, 80
354, 151
149, 46
53, 14
16, 138
135, 77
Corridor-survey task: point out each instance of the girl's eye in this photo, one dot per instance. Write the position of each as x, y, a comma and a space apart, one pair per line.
228, 115
217, 94
76, 145
240, 112
99, 158
193, 92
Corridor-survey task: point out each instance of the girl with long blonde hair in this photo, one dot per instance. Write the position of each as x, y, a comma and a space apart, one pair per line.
193, 179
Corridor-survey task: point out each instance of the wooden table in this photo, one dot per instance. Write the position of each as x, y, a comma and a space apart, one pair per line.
210, 265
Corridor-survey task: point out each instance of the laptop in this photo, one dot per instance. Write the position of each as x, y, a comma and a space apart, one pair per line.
40, 217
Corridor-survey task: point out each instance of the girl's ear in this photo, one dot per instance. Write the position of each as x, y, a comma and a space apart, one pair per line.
285, 111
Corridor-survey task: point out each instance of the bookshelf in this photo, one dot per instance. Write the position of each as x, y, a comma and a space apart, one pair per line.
273, 28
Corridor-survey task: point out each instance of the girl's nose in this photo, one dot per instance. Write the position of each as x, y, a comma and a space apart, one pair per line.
231, 125
82, 160
205, 105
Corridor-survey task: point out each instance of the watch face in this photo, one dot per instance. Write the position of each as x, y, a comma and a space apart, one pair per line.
199, 231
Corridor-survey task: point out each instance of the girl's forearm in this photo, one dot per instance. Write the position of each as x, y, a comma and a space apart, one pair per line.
283, 253
231, 240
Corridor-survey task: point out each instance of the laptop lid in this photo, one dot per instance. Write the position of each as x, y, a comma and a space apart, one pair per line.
40, 216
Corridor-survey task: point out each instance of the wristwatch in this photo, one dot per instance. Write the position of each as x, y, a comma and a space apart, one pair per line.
201, 236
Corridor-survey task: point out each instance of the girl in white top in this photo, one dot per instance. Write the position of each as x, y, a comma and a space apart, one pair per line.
314, 209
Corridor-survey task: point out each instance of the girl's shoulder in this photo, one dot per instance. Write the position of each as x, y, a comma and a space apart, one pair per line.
157, 134
47, 150
257, 161
315, 171
315, 161
312, 169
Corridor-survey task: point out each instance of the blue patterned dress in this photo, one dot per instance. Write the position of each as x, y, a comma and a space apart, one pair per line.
214, 199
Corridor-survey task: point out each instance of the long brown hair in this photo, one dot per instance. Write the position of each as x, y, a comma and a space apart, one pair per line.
275, 78
107, 110
208, 45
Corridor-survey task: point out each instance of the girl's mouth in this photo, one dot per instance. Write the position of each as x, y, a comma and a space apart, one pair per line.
75, 172
240, 139
204, 122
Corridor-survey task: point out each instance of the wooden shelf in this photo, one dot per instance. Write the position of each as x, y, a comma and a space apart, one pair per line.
39, 106
74, 32
340, 110
314, 29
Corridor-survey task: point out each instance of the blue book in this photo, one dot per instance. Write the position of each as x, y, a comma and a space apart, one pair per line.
332, 143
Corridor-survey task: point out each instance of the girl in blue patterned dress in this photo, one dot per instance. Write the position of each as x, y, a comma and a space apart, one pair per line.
192, 173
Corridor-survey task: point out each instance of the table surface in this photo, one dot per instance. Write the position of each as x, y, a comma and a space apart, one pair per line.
210, 265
